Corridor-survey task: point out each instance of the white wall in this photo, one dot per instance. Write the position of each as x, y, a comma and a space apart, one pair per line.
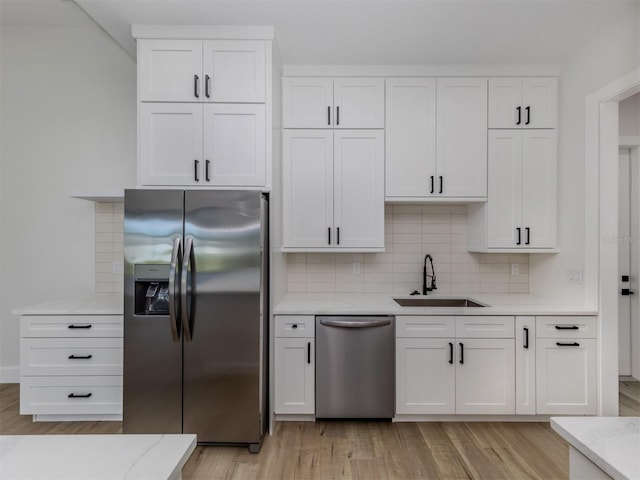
606, 58
68, 124
630, 116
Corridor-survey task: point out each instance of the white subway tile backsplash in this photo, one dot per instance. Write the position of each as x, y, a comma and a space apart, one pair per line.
109, 246
411, 231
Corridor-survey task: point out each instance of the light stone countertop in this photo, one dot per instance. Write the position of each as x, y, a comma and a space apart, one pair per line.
612, 443
98, 304
383, 304
69, 457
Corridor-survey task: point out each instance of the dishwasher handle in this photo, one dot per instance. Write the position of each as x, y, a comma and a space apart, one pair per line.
355, 324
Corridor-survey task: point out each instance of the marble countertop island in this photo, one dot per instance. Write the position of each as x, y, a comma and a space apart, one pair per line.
70, 457
611, 443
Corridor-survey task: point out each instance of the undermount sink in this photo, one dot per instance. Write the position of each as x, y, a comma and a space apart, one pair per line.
437, 302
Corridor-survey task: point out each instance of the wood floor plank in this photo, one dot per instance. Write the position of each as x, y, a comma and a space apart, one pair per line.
629, 399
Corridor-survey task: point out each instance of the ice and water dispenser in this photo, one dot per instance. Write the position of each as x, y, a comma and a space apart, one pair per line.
151, 289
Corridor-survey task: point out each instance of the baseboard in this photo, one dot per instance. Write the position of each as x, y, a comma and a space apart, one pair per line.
627, 378
9, 375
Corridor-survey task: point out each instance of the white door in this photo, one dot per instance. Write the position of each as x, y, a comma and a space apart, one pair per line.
410, 137
358, 102
295, 376
170, 144
425, 376
307, 188
485, 376
505, 96
525, 365
566, 376
461, 143
624, 264
234, 145
539, 188
234, 71
307, 103
504, 197
170, 70
359, 188
539, 102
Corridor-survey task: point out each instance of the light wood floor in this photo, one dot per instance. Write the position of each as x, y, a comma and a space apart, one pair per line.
362, 450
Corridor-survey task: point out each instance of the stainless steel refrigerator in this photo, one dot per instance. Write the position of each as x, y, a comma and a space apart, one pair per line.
196, 308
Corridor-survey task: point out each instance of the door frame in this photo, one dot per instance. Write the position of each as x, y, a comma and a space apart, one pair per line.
601, 254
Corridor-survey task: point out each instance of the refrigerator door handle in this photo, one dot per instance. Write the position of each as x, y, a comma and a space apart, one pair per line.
174, 310
186, 262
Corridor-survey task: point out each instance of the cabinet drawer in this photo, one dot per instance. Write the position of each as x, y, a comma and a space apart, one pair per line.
295, 326
71, 395
71, 326
485, 326
71, 356
443, 326
566, 327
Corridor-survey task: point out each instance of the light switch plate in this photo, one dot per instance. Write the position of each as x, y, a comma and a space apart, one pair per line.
515, 269
117, 267
356, 268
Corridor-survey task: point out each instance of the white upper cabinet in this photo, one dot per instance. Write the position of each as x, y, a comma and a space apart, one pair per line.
327, 103
333, 190
201, 71
520, 213
202, 145
523, 102
410, 136
436, 139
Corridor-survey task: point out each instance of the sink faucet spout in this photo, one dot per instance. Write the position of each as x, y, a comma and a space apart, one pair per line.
425, 288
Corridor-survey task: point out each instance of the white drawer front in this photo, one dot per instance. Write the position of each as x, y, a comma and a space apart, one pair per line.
71, 356
80, 326
415, 326
570, 326
486, 326
71, 395
295, 326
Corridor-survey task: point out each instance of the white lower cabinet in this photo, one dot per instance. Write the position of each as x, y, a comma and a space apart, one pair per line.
449, 374
566, 366
294, 365
71, 367
525, 365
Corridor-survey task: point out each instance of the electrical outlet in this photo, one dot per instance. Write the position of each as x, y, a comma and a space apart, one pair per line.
356, 268
574, 275
515, 269
117, 267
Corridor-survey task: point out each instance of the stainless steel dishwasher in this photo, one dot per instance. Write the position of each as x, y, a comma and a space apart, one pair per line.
355, 367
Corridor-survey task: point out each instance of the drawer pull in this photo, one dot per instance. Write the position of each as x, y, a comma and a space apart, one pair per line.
567, 344
79, 326
80, 357
79, 395
567, 327
294, 326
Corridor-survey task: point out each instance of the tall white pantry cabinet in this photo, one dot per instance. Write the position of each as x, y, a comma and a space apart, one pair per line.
204, 106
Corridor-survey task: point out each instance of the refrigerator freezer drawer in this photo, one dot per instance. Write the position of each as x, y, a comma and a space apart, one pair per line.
70, 356
72, 395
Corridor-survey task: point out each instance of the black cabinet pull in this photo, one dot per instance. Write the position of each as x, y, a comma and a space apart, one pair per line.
432, 184
338, 236
329, 115
526, 337
528, 235
519, 230
196, 82
79, 395
80, 357
337, 115
567, 344
450, 352
196, 164
309, 353
624, 278
207, 80
294, 326
567, 327
329, 230
206, 170
528, 109
441, 183
80, 326
519, 109
461, 353
626, 291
